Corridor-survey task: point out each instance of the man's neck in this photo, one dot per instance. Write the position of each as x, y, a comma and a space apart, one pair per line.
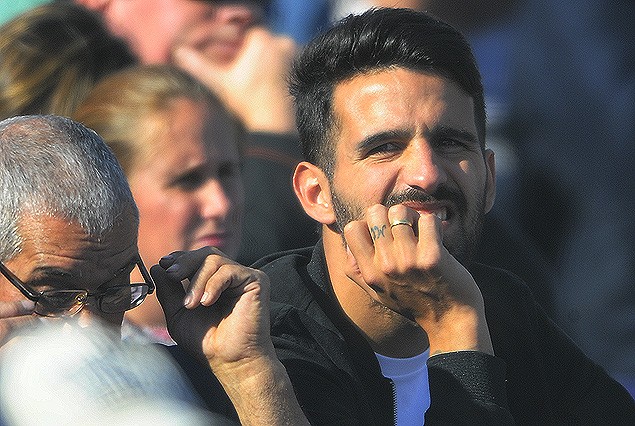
388, 332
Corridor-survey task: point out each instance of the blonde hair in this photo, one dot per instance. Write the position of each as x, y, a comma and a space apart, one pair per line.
121, 104
51, 56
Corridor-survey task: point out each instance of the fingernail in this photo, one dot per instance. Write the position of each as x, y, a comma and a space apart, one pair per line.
167, 257
188, 299
204, 297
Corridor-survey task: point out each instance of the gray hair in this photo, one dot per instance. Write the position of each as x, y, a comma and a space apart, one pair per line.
54, 166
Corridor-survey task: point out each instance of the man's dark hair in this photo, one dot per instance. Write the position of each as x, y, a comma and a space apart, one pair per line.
377, 39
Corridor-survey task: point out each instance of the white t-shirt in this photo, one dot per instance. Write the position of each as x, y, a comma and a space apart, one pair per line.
410, 378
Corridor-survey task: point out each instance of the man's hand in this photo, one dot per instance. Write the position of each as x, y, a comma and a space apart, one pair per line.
232, 325
224, 317
253, 85
407, 268
13, 315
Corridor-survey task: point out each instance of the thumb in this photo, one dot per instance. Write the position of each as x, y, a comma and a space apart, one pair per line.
182, 325
199, 66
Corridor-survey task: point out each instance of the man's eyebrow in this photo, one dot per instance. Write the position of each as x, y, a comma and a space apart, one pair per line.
51, 271
378, 138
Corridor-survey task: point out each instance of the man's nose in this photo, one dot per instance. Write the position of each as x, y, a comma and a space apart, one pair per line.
423, 167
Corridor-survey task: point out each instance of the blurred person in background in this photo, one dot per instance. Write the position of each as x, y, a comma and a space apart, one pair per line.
51, 56
179, 148
226, 46
63, 365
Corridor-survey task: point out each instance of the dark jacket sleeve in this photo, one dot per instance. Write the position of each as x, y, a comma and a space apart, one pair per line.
583, 392
467, 388
325, 393
549, 379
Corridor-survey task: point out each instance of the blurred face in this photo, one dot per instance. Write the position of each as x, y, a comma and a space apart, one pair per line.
188, 190
154, 27
410, 138
58, 255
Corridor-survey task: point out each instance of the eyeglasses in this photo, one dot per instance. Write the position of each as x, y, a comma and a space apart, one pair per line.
60, 303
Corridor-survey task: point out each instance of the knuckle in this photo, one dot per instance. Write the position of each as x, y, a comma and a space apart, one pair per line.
376, 209
398, 210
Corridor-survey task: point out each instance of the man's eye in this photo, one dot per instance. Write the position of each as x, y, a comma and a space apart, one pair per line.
450, 144
384, 149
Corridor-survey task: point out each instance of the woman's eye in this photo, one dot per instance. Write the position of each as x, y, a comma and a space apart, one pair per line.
227, 170
189, 181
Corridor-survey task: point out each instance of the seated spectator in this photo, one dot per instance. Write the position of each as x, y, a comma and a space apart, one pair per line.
388, 319
51, 56
68, 243
179, 148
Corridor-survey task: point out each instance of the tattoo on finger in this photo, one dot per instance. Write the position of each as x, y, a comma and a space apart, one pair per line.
377, 232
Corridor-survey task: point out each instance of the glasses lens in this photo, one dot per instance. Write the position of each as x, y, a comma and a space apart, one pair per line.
60, 303
120, 299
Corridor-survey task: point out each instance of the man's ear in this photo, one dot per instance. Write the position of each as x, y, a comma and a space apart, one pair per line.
490, 182
312, 189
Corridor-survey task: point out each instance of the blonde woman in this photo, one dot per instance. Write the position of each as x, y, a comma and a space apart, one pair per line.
180, 151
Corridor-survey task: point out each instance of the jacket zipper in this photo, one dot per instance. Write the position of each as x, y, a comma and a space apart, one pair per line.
393, 392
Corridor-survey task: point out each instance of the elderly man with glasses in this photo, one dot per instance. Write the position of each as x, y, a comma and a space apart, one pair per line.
68, 243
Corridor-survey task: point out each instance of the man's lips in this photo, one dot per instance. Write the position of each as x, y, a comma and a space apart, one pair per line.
440, 210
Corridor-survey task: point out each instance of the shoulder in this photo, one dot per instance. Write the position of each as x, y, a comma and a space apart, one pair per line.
501, 287
287, 272
284, 260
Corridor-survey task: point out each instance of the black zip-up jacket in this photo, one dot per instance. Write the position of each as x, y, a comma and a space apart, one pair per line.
538, 375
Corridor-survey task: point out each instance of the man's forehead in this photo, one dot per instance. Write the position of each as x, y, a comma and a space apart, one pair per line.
54, 245
398, 95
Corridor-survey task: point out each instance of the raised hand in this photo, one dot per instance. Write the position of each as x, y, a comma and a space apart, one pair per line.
14, 315
254, 84
397, 255
232, 323
223, 317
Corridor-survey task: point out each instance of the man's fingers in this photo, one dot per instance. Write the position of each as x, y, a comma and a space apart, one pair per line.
360, 243
14, 315
182, 265
16, 309
201, 67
